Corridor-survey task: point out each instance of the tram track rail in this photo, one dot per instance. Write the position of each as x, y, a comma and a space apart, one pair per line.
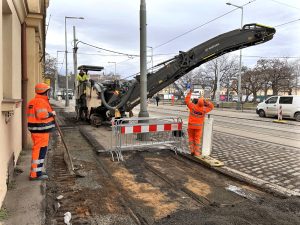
248, 127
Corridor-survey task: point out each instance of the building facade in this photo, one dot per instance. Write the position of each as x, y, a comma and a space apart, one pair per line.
22, 48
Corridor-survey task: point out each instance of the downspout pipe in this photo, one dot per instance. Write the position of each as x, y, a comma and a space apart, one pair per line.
24, 84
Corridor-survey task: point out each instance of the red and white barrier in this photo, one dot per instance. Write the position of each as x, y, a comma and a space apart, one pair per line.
150, 128
136, 132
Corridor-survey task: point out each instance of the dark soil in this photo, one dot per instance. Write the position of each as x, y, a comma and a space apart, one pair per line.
271, 212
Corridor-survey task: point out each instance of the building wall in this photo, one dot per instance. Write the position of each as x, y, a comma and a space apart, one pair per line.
14, 13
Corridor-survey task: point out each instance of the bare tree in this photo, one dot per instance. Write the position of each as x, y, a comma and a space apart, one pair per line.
203, 79
276, 73
50, 68
262, 68
252, 82
291, 72
207, 74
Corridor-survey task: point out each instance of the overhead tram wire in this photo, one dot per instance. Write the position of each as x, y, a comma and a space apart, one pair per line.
282, 3
193, 29
273, 57
283, 24
107, 50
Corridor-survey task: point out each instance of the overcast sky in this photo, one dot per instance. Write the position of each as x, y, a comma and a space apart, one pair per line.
114, 25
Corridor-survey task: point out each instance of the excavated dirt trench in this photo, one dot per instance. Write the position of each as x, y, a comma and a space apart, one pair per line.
151, 187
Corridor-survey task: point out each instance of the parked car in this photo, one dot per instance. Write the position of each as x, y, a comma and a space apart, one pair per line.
290, 107
70, 94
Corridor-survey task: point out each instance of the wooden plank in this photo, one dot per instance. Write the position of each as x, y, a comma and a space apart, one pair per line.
210, 161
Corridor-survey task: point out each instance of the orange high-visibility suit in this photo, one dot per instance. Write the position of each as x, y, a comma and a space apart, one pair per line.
40, 122
196, 121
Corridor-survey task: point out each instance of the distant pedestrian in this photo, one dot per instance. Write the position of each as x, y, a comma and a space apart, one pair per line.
157, 99
196, 122
173, 99
40, 118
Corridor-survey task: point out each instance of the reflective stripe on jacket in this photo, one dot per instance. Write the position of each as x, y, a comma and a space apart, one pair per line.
197, 111
39, 116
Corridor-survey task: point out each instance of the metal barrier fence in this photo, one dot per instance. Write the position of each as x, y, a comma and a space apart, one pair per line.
132, 133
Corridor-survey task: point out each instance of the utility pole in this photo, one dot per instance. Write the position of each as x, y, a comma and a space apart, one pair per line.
143, 66
218, 84
66, 56
75, 61
143, 61
56, 78
56, 85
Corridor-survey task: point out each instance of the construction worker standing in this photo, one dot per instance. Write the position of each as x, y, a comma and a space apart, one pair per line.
196, 121
40, 118
81, 77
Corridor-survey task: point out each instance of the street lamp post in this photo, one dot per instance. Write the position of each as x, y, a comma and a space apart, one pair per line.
66, 56
151, 57
240, 66
56, 76
115, 74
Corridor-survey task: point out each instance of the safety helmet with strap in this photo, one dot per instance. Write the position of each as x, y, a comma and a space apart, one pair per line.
41, 88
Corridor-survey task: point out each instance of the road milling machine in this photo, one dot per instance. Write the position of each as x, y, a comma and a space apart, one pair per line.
100, 101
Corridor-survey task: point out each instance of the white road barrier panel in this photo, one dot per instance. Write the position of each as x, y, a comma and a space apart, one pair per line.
280, 112
159, 132
207, 136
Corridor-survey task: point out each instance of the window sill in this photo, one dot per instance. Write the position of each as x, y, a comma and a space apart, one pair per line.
8, 107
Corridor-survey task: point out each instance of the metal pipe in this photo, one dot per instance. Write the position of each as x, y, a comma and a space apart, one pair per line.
24, 85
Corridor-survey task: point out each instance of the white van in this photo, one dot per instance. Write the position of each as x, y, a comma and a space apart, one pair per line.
290, 106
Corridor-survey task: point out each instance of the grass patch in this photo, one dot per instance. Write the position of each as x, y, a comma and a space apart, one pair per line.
3, 214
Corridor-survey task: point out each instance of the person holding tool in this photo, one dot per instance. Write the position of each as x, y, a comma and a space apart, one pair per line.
196, 121
41, 121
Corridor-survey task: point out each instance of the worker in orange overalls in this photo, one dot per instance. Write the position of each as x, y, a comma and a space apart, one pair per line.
196, 121
40, 118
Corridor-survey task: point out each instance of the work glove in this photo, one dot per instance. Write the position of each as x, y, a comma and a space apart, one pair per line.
52, 114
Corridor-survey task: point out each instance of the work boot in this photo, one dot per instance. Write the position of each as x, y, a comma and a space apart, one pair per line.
44, 173
197, 154
42, 177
